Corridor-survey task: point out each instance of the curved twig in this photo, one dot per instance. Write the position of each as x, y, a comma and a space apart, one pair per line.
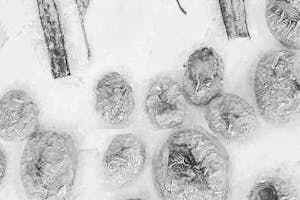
181, 8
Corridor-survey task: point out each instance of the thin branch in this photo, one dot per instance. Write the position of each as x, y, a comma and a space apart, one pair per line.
182, 10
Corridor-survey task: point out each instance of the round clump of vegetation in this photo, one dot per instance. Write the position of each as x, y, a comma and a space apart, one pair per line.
190, 166
277, 85
18, 115
124, 159
48, 166
165, 103
203, 78
114, 98
231, 116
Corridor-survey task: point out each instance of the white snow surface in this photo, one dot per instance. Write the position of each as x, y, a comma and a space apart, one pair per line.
140, 39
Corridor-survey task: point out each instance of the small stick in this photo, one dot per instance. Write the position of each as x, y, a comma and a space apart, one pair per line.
179, 5
54, 38
234, 18
85, 39
82, 6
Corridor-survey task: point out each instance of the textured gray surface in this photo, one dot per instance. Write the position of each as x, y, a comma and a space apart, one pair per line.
277, 85
54, 37
190, 166
282, 18
124, 159
273, 188
235, 18
18, 115
114, 98
204, 75
140, 40
231, 116
48, 166
165, 103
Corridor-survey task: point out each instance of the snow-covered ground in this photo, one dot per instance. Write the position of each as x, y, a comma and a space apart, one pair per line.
140, 39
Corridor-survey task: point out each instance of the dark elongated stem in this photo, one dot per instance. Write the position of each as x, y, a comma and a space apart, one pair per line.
234, 18
54, 38
180, 7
